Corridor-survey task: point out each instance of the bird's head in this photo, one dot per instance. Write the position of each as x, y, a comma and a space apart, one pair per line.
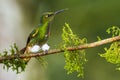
49, 16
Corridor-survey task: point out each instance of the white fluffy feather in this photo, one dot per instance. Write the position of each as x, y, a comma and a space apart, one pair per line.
37, 48
45, 47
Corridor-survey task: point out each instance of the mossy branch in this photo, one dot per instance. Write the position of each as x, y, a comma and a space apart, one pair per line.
55, 51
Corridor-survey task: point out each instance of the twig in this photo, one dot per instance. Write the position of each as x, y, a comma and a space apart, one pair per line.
54, 51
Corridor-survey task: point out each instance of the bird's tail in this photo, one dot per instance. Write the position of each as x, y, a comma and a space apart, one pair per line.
24, 51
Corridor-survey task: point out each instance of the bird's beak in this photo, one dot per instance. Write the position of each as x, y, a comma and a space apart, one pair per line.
57, 12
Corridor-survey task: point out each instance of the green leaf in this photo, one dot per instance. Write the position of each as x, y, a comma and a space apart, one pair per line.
112, 54
74, 60
16, 64
114, 30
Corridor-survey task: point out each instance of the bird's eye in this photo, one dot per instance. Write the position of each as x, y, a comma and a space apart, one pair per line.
49, 15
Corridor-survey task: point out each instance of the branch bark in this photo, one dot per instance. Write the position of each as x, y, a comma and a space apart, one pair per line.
54, 51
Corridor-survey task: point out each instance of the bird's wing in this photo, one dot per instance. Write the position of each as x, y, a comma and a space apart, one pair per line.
32, 35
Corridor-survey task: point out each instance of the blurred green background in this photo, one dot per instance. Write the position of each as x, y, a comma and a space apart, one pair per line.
87, 18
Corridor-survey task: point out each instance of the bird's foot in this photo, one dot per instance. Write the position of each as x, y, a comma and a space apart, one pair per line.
46, 51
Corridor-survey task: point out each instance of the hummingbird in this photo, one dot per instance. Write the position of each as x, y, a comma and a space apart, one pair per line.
37, 39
